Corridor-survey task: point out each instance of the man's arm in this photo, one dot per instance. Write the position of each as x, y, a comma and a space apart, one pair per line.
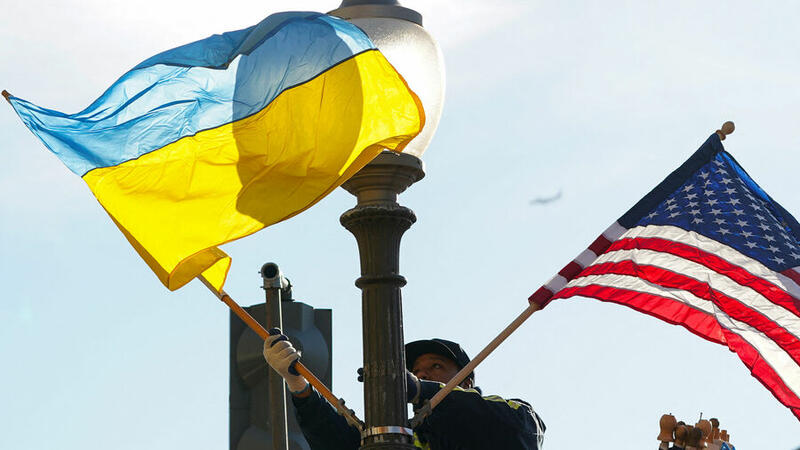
465, 419
322, 426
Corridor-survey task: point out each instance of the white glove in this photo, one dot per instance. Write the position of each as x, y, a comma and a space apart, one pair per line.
280, 354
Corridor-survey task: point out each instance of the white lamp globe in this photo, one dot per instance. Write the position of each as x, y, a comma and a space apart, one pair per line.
411, 50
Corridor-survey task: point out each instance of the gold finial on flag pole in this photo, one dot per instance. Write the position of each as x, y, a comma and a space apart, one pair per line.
727, 128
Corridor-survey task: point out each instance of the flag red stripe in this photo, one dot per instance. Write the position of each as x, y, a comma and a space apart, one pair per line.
666, 309
570, 270
600, 245
699, 323
730, 306
542, 297
793, 275
770, 291
763, 372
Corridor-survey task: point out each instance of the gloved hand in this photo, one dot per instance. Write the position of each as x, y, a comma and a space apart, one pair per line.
280, 355
413, 387
420, 390
417, 391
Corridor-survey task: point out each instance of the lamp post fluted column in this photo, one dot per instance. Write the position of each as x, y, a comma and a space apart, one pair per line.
378, 223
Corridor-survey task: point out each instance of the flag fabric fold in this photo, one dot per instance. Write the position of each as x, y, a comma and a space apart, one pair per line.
709, 250
214, 140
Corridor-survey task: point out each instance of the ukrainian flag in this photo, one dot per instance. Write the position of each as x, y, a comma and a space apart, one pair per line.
215, 140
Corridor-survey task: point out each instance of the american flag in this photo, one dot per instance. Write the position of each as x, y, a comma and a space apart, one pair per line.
709, 250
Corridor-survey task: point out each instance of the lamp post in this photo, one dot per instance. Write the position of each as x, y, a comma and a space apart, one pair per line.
378, 221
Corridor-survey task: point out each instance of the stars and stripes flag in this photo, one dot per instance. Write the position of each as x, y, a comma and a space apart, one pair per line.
709, 250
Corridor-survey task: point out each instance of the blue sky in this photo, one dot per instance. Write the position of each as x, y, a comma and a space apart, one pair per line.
599, 101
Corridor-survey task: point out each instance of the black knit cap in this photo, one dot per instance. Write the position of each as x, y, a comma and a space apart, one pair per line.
437, 346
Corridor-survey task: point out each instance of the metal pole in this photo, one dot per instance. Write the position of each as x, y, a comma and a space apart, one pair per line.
378, 223
274, 282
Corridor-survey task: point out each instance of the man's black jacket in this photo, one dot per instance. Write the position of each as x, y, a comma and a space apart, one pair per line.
463, 420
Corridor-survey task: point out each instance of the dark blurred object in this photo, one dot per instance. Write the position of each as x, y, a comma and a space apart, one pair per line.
546, 200
668, 423
705, 428
693, 438
681, 431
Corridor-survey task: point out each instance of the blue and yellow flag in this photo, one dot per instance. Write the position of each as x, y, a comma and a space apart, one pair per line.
214, 140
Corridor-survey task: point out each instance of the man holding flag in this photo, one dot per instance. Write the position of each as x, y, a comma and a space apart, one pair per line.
214, 140
706, 249
464, 420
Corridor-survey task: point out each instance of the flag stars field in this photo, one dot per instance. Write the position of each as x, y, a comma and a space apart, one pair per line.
713, 193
